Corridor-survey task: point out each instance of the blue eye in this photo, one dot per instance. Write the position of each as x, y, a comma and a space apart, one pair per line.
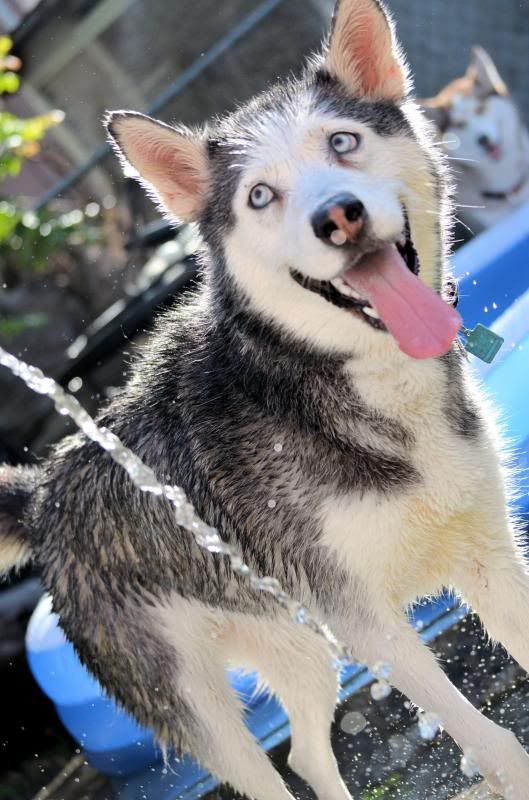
261, 196
343, 142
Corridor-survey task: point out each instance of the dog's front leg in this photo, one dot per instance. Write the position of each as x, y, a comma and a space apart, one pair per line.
495, 583
415, 672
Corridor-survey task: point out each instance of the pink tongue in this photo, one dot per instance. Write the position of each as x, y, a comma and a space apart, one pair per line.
421, 322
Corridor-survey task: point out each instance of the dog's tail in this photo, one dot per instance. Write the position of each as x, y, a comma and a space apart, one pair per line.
17, 485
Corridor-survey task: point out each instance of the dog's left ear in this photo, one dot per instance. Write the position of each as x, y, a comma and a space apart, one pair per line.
171, 163
363, 52
482, 70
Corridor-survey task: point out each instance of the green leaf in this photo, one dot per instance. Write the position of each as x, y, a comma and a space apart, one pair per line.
13, 326
6, 43
9, 82
7, 226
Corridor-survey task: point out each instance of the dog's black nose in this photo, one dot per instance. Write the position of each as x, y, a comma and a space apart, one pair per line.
339, 219
488, 144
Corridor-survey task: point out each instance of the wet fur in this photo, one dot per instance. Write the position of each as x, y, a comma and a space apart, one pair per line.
360, 478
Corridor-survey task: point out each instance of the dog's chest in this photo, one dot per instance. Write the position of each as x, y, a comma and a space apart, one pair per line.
405, 541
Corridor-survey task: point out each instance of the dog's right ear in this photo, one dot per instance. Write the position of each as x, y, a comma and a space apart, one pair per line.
171, 163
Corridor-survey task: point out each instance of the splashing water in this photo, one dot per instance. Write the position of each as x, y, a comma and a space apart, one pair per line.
469, 766
144, 478
380, 690
429, 725
382, 670
353, 723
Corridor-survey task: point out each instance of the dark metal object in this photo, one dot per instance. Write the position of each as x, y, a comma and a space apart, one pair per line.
153, 234
245, 26
124, 319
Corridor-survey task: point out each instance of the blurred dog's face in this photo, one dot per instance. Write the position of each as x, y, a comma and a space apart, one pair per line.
483, 129
321, 198
481, 125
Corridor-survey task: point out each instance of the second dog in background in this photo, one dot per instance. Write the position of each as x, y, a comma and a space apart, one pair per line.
481, 126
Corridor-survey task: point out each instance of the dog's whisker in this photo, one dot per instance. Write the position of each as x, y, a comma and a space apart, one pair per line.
468, 160
457, 219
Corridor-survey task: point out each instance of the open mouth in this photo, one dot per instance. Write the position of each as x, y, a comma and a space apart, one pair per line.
383, 288
339, 293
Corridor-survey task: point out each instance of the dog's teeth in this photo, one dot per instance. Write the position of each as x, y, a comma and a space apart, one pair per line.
344, 289
370, 312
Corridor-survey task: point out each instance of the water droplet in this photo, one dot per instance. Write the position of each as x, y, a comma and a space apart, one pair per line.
338, 237
429, 725
468, 766
401, 749
92, 209
75, 384
301, 615
380, 690
353, 723
382, 670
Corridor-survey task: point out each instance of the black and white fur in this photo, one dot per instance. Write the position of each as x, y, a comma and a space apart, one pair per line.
359, 477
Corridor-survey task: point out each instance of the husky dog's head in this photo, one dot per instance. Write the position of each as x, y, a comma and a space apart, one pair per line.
481, 127
321, 200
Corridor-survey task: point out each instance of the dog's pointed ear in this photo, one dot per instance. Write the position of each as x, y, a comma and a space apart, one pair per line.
363, 53
483, 72
171, 163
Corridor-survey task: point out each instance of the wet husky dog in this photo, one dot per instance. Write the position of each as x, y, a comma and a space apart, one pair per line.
481, 128
311, 402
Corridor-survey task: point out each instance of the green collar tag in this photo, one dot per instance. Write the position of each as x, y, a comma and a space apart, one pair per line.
482, 343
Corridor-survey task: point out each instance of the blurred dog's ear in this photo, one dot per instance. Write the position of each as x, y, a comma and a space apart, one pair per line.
363, 53
171, 163
484, 74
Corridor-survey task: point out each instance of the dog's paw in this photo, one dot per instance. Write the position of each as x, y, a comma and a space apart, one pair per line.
507, 769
